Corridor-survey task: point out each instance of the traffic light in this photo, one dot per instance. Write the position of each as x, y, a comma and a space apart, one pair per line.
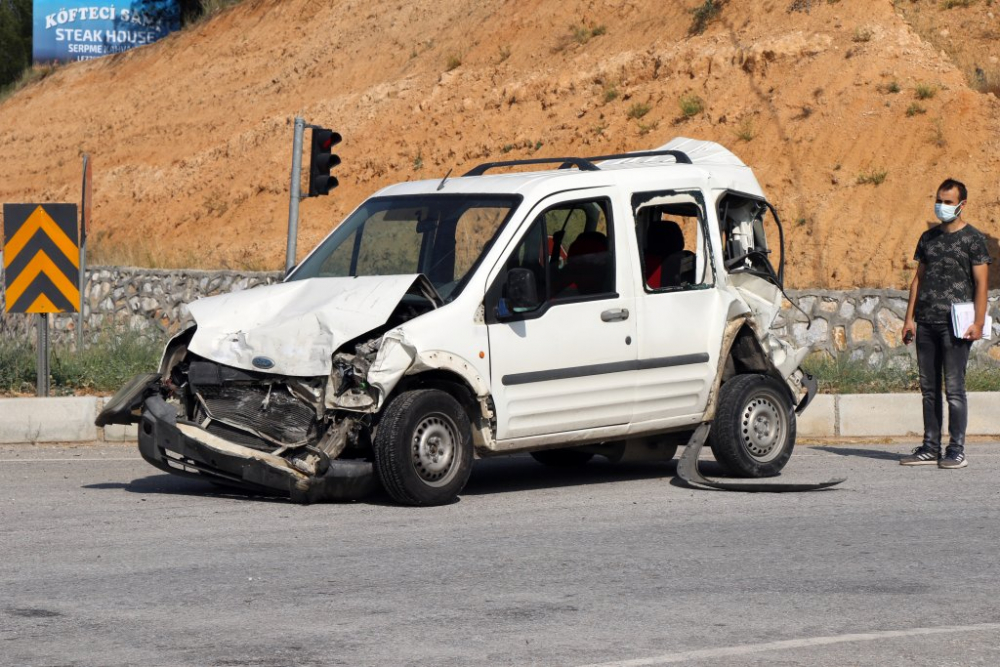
322, 161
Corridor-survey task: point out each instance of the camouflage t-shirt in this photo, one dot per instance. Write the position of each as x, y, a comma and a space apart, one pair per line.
948, 260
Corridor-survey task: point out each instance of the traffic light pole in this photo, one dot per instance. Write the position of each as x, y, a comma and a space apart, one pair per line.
294, 194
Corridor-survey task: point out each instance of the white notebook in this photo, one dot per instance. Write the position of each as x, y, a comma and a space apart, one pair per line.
962, 317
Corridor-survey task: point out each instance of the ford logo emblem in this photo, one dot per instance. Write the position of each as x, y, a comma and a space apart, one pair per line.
263, 363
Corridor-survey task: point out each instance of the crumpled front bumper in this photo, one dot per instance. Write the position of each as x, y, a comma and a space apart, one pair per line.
184, 449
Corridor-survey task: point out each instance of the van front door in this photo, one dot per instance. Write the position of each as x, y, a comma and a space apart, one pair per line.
563, 364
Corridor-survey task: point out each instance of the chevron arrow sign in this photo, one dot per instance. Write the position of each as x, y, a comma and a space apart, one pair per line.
41, 258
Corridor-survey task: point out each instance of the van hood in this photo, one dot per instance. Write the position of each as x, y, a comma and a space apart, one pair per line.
294, 328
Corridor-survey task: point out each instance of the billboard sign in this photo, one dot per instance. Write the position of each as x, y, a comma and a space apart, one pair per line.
66, 31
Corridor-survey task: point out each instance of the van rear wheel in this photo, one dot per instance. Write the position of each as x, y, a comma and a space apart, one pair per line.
423, 448
753, 433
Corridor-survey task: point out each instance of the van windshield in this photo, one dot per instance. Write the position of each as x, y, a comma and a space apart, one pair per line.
440, 236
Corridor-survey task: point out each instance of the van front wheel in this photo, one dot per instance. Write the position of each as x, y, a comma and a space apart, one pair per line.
423, 448
753, 433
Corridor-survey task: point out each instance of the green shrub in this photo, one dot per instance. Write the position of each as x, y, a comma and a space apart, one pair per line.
638, 110
842, 375
703, 14
646, 128
104, 366
691, 105
17, 366
915, 109
581, 34
925, 91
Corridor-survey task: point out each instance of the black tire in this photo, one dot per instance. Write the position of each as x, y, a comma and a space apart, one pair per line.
423, 448
753, 433
562, 458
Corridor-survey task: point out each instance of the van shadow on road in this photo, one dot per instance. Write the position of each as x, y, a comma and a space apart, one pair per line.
511, 474
182, 486
506, 474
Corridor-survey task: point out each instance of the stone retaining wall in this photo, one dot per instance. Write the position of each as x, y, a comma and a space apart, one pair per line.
149, 300
865, 323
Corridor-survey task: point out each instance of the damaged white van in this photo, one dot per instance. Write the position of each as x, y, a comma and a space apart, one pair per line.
566, 307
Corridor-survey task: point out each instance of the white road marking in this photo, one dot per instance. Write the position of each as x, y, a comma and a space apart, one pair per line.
729, 651
131, 458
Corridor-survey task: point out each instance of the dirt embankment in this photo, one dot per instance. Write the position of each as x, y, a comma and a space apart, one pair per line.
850, 113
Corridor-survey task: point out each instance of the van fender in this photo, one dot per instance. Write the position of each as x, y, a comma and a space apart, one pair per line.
397, 357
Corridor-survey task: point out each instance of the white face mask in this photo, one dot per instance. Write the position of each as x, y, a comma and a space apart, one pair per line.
946, 213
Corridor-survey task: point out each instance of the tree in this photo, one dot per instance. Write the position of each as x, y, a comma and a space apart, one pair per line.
15, 39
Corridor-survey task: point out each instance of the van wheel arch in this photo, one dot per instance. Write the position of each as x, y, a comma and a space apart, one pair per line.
450, 383
747, 357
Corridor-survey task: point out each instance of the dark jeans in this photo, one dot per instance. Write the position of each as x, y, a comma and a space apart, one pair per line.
937, 350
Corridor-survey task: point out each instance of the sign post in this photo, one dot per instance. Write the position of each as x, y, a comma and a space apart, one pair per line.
42, 367
41, 266
84, 223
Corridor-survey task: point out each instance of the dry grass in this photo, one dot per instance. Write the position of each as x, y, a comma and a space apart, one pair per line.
985, 80
745, 131
638, 110
863, 34
28, 77
873, 177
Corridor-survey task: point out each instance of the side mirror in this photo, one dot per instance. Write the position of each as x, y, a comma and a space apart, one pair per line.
521, 292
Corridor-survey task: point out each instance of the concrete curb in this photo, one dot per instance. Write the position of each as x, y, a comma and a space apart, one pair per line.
64, 419
889, 416
71, 419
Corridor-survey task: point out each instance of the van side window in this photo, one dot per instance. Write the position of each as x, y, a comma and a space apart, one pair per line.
673, 244
569, 250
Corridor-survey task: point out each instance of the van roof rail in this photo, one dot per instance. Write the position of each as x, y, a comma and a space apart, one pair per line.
680, 156
581, 163
565, 163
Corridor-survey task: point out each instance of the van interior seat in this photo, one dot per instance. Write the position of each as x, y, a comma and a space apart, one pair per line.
587, 266
663, 239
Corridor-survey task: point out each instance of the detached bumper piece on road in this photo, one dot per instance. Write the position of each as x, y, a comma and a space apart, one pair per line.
687, 470
185, 449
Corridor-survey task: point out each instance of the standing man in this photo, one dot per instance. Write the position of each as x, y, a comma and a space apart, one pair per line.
953, 268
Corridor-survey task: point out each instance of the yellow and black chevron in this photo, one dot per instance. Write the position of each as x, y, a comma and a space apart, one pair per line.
41, 258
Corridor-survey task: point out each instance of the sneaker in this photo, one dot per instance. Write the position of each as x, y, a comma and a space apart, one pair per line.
921, 456
953, 460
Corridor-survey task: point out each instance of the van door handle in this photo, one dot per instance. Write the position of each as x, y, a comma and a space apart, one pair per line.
614, 315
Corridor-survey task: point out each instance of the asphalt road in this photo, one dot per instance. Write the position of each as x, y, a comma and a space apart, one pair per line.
106, 561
